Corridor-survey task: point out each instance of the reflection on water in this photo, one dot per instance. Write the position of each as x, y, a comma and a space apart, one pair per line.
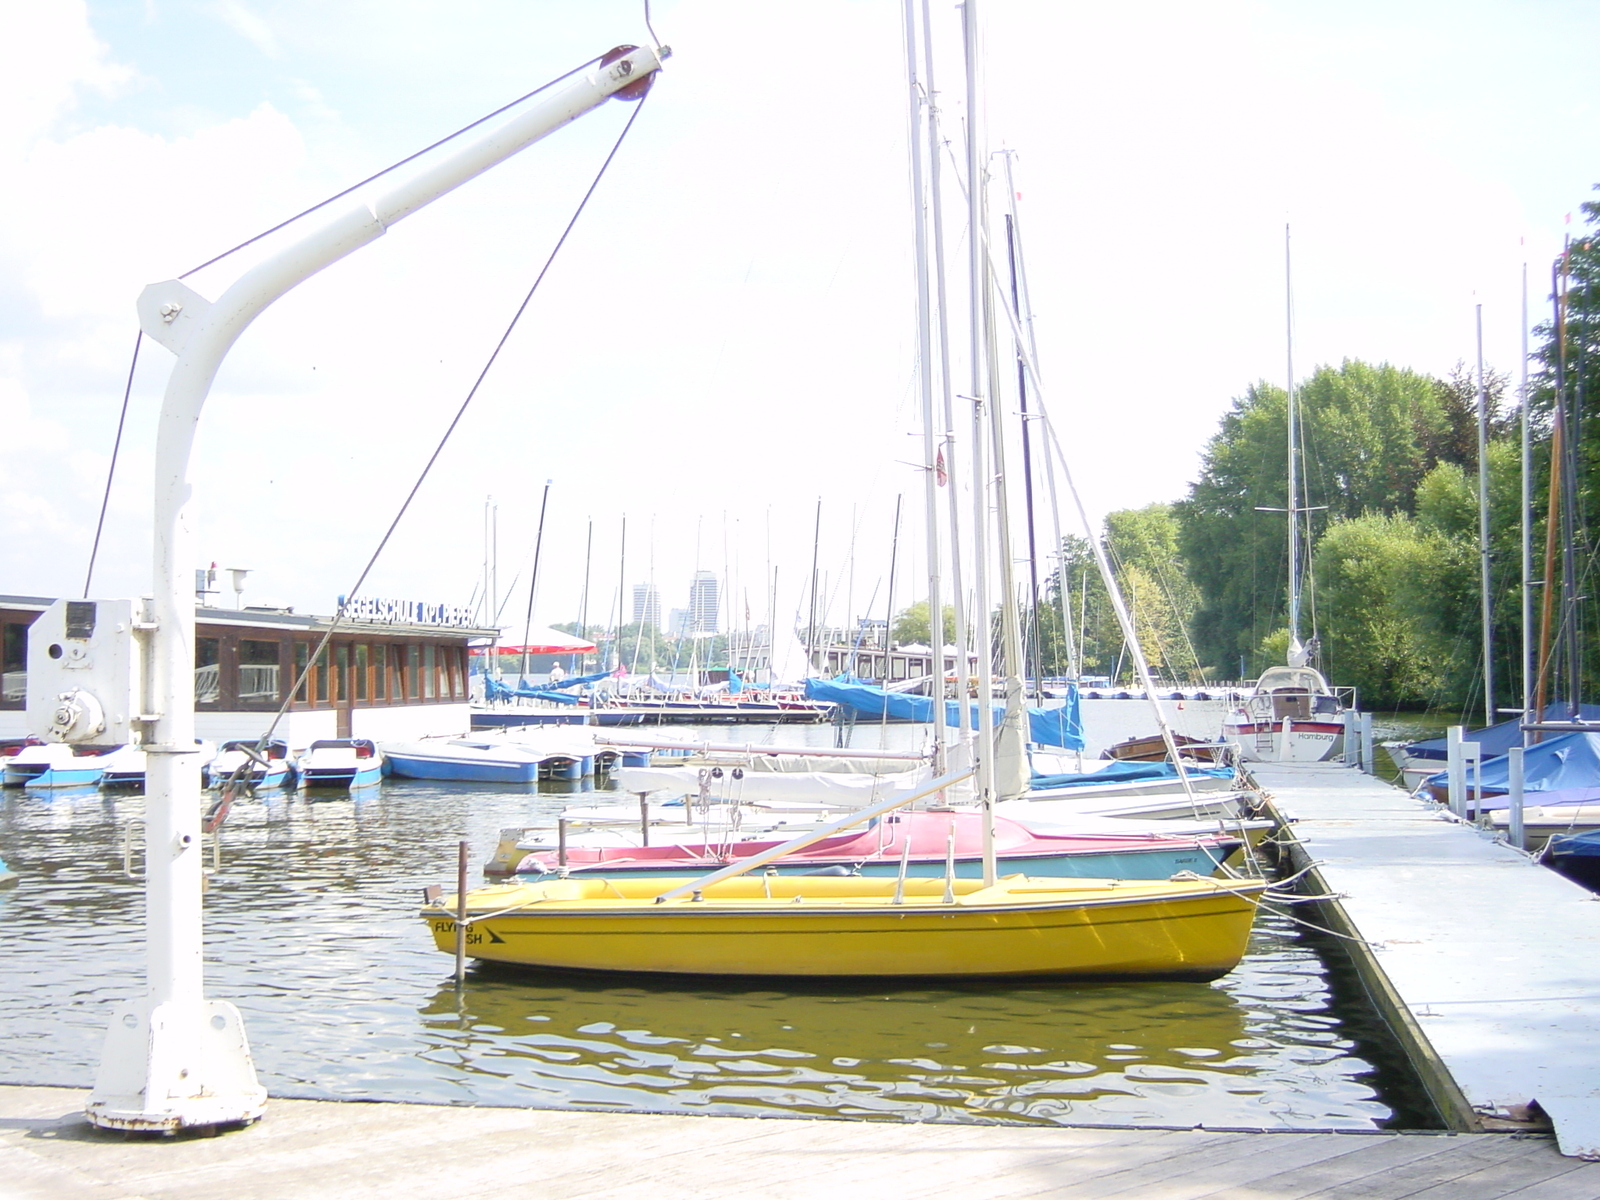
312, 930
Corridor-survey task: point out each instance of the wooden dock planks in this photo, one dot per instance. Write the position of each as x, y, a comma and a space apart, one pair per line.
318, 1150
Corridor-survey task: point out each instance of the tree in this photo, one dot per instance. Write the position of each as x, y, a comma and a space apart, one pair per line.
1369, 435
911, 625
1143, 543
1371, 640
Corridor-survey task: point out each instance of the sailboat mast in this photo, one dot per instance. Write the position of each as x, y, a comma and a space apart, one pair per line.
1294, 483
942, 308
533, 579
930, 449
1528, 666
1486, 597
1569, 513
978, 375
583, 599
1558, 456
1033, 663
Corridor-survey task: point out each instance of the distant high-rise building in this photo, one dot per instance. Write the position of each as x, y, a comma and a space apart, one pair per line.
703, 596
646, 605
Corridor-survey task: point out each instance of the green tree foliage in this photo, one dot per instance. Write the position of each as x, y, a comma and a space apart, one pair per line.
1143, 543
1369, 435
1363, 567
911, 625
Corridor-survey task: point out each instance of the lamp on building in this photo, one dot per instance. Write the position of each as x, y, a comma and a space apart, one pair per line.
237, 575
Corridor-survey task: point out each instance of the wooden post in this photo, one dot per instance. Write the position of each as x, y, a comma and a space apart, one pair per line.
461, 914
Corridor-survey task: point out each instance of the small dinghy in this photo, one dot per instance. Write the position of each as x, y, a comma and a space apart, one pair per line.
342, 764
277, 771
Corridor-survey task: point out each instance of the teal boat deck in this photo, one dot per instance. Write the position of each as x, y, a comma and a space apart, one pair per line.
316, 1150
1486, 964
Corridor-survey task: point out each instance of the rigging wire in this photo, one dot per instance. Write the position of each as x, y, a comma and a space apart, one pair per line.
111, 470
396, 166
123, 417
450, 429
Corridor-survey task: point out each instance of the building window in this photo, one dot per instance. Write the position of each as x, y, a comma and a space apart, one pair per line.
341, 673
259, 671
430, 668
414, 671
207, 670
380, 672
302, 653
361, 673
14, 664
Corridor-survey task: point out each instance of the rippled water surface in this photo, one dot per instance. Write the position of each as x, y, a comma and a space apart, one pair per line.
312, 930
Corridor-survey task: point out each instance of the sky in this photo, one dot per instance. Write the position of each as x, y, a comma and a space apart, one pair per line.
728, 336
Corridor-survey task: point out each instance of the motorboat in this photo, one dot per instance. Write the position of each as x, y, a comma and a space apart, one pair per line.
277, 771
340, 763
125, 766
55, 765
788, 925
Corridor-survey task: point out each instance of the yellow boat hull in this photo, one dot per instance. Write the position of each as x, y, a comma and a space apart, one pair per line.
818, 926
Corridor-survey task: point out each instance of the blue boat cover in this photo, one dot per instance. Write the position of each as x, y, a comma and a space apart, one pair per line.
1577, 845
1497, 739
576, 680
1126, 772
1567, 760
493, 690
1046, 726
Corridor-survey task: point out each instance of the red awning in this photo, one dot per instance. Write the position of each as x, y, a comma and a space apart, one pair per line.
541, 641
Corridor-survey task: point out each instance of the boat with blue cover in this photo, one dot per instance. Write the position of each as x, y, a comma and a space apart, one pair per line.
1577, 856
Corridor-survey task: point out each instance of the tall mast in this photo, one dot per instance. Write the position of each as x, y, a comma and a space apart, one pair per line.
533, 579
930, 449
978, 376
941, 305
1294, 483
583, 599
1486, 601
1013, 235
1528, 667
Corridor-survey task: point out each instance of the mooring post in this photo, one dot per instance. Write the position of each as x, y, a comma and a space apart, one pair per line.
1368, 763
461, 913
1514, 831
1456, 775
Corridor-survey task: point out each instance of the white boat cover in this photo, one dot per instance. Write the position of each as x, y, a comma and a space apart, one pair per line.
760, 787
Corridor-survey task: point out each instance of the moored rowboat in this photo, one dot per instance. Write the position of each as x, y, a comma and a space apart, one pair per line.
773, 925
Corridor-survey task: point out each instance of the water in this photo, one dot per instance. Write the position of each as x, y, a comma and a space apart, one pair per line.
312, 930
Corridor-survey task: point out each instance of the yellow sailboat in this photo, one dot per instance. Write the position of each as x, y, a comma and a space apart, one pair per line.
855, 926
733, 922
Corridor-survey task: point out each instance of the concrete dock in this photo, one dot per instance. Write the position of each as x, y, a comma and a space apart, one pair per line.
315, 1150
1486, 964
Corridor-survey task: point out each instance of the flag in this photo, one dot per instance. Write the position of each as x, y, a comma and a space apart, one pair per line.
939, 471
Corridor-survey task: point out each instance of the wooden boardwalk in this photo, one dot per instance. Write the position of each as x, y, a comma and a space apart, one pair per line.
313, 1150
1486, 965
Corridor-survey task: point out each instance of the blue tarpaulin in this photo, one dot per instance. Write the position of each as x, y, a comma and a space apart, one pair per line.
576, 680
1046, 726
1565, 761
494, 690
1497, 739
